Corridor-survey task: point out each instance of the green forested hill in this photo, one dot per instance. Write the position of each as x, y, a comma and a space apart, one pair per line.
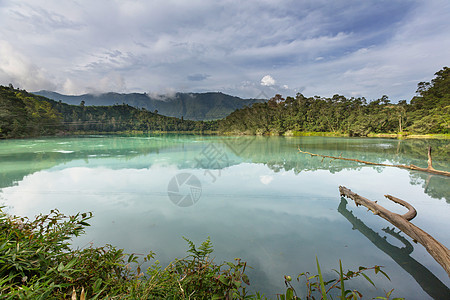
190, 106
23, 114
123, 118
428, 112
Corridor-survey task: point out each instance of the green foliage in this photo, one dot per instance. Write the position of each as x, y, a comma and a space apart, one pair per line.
122, 118
38, 262
437, 121
318, 288
200, 278
22, 115
435, 93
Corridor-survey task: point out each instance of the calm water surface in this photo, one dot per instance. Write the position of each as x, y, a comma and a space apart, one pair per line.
256, 197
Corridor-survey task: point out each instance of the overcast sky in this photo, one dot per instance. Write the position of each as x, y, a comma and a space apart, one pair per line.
243, 48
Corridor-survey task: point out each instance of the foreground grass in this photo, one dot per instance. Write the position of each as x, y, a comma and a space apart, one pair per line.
37, 262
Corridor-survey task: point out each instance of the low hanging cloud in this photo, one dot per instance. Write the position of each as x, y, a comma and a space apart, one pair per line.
168, 93
111, 82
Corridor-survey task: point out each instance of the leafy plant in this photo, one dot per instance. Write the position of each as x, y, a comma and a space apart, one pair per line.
37, 262
318, 288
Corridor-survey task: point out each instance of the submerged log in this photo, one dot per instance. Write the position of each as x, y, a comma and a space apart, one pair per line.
428, 169
438, 251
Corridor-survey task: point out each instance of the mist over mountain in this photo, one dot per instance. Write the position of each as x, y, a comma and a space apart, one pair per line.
190, 106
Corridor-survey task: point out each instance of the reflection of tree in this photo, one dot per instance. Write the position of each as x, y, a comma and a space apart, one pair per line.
433, 185
426, 279
16, 165
280, 153
29, 163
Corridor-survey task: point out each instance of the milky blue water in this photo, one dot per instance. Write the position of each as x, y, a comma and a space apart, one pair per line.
256, 197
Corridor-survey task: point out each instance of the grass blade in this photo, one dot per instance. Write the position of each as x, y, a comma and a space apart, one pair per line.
341, 275
322, 285
368, 279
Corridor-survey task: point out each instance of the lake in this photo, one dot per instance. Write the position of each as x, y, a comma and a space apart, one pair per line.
256, 197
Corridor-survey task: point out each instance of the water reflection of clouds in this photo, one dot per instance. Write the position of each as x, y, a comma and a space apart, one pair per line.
72, 188
244, 180
266, 179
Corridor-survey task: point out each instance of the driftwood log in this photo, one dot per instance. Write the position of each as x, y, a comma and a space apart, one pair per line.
428, 169
432, 285
438, 251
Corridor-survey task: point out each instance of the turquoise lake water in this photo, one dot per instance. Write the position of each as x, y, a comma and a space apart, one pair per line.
256, 197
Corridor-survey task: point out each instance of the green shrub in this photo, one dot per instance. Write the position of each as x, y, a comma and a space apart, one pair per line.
37, 262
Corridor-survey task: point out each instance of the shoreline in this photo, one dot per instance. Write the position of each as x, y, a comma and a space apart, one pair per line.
400, 136
440, 136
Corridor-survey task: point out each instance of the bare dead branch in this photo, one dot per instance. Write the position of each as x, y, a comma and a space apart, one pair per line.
411, 214
429, 169
438, 251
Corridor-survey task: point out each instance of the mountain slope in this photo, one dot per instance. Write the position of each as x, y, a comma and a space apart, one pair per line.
23, 115
190, 106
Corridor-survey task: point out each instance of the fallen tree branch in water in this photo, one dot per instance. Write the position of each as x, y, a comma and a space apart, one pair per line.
432, 285
438, 251
428, 169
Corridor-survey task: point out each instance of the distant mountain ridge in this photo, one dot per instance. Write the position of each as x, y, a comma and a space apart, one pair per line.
190, 106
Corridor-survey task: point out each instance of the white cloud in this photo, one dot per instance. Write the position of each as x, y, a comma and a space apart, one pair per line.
268, 81
167, 93
266, 179
70, 88
113, 82
18, 70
